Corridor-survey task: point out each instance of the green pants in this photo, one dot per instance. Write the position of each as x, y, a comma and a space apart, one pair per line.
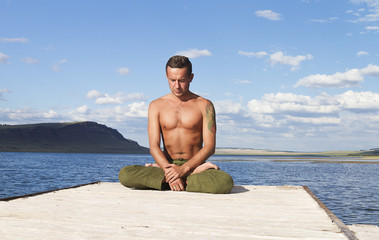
208, 181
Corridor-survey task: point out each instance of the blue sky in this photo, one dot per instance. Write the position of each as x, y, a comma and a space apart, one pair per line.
284, 75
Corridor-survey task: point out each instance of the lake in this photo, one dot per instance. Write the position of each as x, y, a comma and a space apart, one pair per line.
349, 190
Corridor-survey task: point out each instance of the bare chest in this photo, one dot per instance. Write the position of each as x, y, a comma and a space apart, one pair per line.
184, 117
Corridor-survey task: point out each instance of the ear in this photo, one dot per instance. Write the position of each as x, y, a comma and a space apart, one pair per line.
191, 77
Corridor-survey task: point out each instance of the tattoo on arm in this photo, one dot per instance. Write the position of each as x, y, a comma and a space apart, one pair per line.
210, 117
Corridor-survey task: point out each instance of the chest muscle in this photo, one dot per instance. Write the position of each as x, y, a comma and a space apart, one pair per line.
181, 119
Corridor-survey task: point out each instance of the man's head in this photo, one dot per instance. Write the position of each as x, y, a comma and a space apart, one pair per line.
180, 62
179, 75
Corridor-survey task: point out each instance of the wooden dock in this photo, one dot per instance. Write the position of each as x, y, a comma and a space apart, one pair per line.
110, 211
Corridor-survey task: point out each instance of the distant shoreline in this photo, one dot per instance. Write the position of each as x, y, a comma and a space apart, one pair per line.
264, 152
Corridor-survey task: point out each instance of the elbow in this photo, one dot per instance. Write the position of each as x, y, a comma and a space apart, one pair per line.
212, 150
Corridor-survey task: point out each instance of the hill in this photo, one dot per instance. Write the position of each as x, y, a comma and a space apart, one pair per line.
76, 137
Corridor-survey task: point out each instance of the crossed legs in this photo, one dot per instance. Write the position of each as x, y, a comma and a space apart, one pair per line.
205, 178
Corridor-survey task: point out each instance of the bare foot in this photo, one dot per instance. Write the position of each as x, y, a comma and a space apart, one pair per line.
205, 166
151, 165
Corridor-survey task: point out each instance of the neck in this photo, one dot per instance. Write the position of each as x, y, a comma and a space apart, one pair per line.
184, 98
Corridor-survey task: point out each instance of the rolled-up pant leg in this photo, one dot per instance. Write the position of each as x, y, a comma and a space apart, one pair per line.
210, 181
136, 176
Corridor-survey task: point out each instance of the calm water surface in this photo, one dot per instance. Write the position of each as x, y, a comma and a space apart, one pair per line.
349, 190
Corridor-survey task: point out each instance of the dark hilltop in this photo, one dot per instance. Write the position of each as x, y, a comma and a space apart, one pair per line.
75, 137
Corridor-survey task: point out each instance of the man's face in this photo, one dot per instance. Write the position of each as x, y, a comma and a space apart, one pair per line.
178, 80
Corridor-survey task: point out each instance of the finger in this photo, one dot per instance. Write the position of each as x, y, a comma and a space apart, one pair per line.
168, 179
171, 179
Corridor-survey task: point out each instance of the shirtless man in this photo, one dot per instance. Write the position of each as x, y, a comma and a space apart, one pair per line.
186, 124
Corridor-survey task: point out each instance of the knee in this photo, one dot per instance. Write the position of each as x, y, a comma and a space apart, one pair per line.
226, 184
210, 181
126, 175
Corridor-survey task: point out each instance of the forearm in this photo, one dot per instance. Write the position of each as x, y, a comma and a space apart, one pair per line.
198, 159
159, 157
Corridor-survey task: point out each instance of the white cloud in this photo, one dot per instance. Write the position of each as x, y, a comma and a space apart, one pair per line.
94, 94
14, 40
315, 120
289, 103
57, 66
239, 81
279, 58
358, 101
123, 71
338, 80
349, 78
227, 107
294, 61
194, 53
4, 58
49, 48
4, 90
318, 20
253, 54
372, 28
324, 20
30, 60
110, 115
118, 98
26, 115
284, 120
82, 109
362, 53
372, 14
372, 70
268, 14
350, 114
82, 113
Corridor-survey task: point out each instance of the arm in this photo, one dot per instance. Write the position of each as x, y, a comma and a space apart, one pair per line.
154, 132
208, 149
209, 138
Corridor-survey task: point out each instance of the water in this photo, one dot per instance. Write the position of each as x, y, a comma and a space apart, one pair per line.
349, 190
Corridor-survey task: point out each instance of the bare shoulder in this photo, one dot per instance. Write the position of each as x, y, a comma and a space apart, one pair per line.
205, 103
209, 114
157, 103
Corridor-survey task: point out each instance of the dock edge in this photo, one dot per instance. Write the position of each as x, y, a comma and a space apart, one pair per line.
346, 231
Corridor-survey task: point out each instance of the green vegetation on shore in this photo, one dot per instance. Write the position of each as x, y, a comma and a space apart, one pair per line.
74, 137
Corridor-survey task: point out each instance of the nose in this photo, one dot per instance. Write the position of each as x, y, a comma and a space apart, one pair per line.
177, 84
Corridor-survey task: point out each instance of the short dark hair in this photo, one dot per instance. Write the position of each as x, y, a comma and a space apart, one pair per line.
178, 61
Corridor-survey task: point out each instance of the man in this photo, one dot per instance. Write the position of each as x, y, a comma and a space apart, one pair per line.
186, 124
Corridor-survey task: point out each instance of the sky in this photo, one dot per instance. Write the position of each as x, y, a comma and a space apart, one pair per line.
290, 75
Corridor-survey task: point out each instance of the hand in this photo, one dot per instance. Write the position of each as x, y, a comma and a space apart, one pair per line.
173, 172
177, 185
